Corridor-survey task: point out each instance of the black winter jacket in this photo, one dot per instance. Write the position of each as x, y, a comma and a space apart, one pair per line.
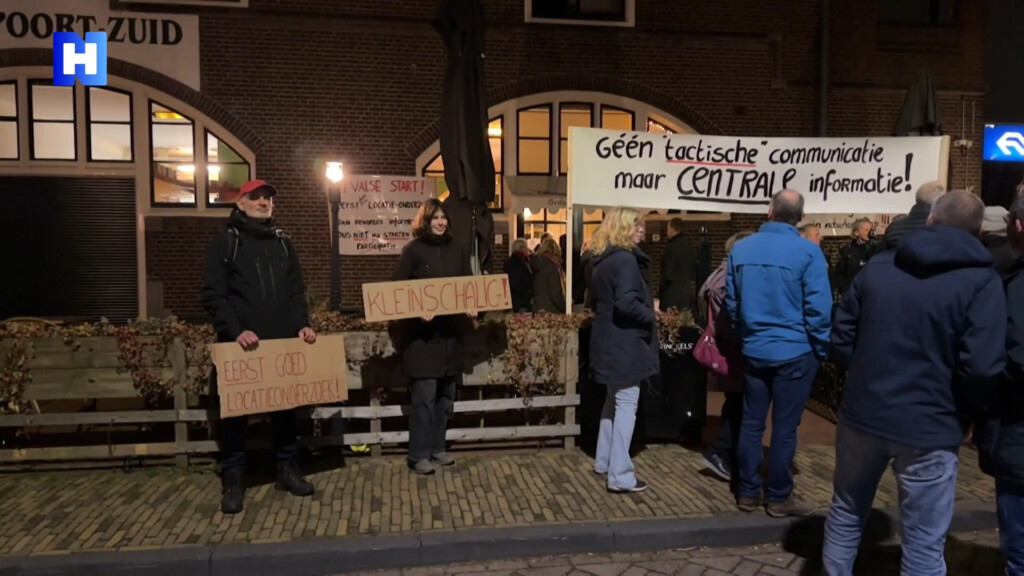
259, 287
1000, 435
432, 349
676, 289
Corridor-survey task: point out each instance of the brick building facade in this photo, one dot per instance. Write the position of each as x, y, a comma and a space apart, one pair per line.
298, 82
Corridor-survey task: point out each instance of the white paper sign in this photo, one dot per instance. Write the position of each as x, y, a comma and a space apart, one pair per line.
841, 225
740, 174
166, 43
376, 213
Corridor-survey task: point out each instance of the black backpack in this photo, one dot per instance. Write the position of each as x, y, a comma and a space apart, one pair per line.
233, 240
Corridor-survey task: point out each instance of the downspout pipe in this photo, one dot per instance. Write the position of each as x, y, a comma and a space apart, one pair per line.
823, 55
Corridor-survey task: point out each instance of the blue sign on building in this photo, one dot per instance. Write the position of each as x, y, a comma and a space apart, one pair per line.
1003, 143
85, 59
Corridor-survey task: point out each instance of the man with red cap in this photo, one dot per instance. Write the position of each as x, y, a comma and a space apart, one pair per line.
253, 290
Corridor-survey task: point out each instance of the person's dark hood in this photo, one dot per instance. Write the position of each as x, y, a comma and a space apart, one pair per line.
934, 250
642, 259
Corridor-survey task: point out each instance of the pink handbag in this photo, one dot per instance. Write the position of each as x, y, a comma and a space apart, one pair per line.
707, 352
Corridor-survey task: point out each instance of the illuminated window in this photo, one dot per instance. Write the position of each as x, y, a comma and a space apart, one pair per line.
8, 121
110, 125
534, 140
172, 137
496, 137
53, 121
226, 171
571, 115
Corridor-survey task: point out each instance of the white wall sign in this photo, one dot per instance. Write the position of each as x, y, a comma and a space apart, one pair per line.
376, 212
841, 225
166, 43
740, 174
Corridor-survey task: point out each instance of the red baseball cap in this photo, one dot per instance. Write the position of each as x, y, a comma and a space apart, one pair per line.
253, 185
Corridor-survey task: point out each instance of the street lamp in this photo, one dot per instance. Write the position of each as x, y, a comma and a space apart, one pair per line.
334, 174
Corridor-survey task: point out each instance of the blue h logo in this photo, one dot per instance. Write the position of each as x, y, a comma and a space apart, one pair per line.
75, 58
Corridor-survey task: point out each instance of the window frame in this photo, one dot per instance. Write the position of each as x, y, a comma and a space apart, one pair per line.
591, 107
16, 120
499, 191
551, 136
89, 122
153, 161
629, 21
206, 165
32, 121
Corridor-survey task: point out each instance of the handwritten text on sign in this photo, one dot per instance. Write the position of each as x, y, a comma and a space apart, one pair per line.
376, 212
740, 174
384, 301
842, 224
280, 374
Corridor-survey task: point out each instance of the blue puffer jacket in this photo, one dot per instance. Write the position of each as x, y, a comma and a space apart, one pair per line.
624, 339
778, 294
1000, 436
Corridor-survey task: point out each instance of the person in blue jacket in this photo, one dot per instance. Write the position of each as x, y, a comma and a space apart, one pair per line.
779, 298
623, 341
999, 434
921, 332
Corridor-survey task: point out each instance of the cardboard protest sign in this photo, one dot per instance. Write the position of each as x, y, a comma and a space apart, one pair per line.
280, 374
376, 212
383, 301
740, 174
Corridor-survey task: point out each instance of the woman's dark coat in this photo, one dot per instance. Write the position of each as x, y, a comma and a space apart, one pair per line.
431, 349
624, 339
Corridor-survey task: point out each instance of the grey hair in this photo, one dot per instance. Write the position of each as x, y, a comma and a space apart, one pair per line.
787, 207
518, 245
929, 192
736, 238
857, 223
959, 209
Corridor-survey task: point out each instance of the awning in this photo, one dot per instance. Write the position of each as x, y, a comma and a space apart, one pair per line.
536, 192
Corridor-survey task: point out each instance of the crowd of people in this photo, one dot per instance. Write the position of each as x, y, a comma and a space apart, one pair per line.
928, 327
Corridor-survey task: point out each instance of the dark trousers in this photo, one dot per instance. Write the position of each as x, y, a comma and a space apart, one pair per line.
785, 386
432, 401
234, 435
729, 431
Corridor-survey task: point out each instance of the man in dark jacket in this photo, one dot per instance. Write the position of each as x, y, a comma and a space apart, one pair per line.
926, 196
676, 289
919, 332
1000, 434
993, 236
780, 302
853, 256
253, 290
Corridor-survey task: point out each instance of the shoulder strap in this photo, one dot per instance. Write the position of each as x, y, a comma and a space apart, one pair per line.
232, 251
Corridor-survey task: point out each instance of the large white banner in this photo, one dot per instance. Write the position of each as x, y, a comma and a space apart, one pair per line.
740, 174
166, 43
376, 213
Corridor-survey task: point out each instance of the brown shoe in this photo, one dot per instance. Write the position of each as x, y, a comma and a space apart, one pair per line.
748, 504
793, 506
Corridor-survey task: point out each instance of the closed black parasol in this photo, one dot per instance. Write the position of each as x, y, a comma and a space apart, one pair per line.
465, 149
920, 113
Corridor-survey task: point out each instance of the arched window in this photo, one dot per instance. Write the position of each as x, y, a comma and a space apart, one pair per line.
529, 138
147, 153
184, 163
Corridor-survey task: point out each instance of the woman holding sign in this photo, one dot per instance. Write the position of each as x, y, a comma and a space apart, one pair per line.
431, 347
623, 342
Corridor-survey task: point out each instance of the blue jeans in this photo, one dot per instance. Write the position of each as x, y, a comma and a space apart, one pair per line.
785, 387
927, 487
617, 420
1010, 502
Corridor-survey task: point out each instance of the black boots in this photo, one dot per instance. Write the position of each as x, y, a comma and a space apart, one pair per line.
289, 478
233, 490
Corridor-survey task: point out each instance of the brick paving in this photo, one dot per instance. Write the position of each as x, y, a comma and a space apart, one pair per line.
967, 554
59, 512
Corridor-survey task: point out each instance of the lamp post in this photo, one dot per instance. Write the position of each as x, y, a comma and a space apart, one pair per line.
334, 175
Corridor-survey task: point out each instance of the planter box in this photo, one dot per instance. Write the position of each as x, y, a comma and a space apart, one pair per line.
81, 388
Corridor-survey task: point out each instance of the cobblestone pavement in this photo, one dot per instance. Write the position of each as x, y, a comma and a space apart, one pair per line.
60, 512
967, 554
